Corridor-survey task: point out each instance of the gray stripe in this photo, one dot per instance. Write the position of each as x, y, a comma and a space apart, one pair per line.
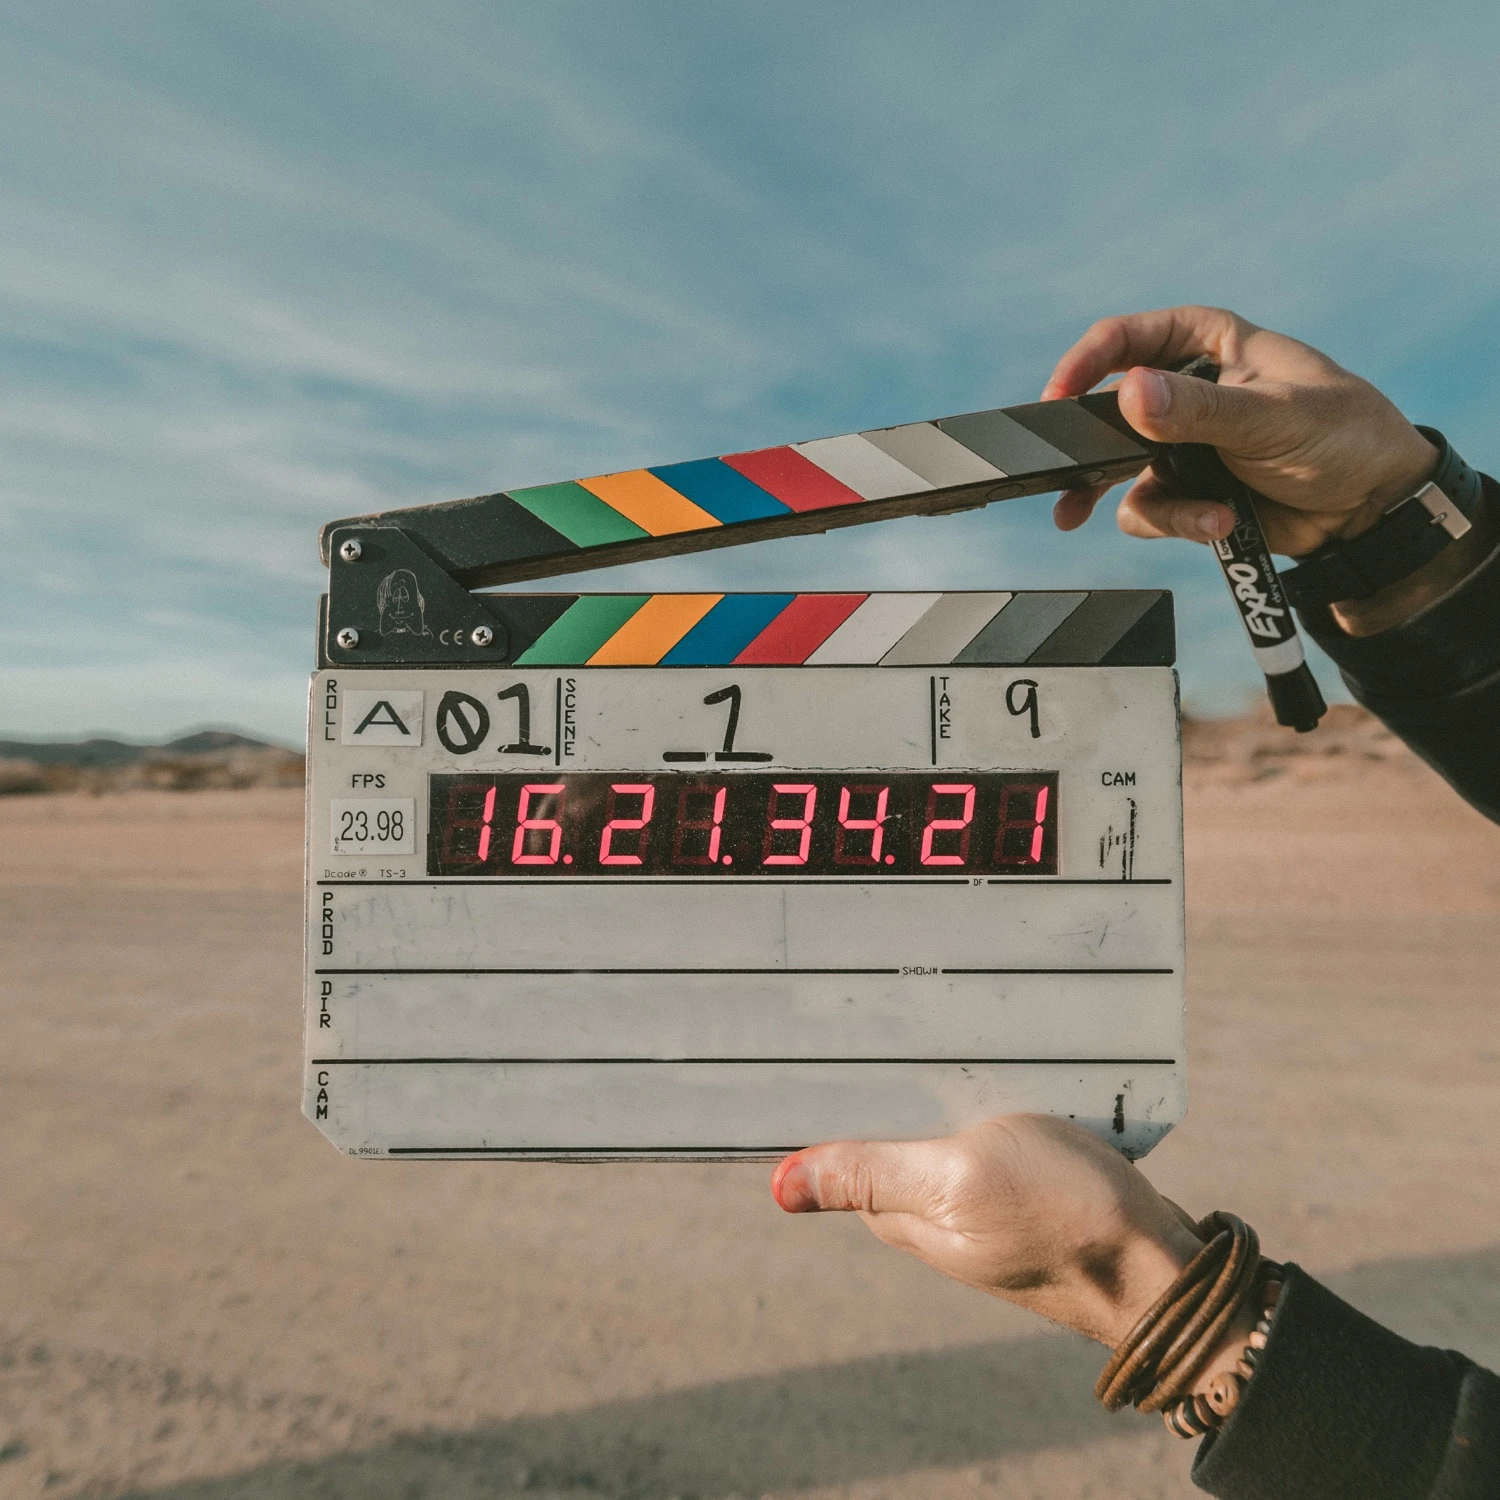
1087, 635
1019, 629
944, 630
1004, 443
1066, 425
938, 458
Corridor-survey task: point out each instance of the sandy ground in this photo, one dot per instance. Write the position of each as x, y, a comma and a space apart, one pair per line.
200, 1300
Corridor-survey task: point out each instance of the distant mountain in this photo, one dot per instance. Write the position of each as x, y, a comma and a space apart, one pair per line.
109, 755
209, 759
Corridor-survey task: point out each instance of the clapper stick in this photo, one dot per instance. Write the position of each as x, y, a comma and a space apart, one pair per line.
444, 551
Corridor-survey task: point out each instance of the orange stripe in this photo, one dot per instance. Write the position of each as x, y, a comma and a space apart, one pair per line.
651, 503
653, 630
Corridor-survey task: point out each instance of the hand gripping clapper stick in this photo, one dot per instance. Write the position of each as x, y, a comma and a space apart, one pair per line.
708, 876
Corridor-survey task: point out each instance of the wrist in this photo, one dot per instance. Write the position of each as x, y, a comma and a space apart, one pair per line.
1141, 1270
1411, 464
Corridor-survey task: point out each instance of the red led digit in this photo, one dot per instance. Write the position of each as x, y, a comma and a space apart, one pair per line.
1030, 828
875, 825
647, 793
802, 826
525, 824
712, 825
959, 825
489, 818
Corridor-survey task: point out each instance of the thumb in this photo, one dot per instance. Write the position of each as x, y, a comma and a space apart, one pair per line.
1172, 408
872, 1177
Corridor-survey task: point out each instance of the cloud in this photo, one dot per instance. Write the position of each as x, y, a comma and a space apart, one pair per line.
270, 266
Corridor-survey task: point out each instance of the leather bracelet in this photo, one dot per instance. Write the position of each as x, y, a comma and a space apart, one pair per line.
1159, 1360
1408, 536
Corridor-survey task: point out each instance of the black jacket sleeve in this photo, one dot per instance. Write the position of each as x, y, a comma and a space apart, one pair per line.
1342, 1409
1339, 1406
1435, 679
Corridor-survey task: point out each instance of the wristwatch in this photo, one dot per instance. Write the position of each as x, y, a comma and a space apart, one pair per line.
1408, 536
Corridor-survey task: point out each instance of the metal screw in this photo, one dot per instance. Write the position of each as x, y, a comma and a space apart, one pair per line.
348, 638
350, 550
482, 635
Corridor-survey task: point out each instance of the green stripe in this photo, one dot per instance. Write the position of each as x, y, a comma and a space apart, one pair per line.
571, 640
582, 517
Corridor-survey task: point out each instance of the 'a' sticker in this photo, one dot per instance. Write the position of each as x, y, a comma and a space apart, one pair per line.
375, 717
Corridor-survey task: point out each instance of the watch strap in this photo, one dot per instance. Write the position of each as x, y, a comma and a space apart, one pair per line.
1408, 536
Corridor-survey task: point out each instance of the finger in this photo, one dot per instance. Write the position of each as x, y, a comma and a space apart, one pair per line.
873, 1177
1169, 408
1164, 337
1149, 510
1074, 507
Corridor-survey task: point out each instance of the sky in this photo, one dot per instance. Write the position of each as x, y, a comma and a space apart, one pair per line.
267, 264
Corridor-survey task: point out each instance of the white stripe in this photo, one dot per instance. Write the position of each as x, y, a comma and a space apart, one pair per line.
872, 630
1284, 656
945, 630
867, 471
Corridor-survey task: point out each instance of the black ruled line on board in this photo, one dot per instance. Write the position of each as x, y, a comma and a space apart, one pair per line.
588, 1152
607, 971
672, 1062
708, 882
877, 972
684, 881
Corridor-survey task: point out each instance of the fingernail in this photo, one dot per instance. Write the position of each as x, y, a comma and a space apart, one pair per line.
794, 1189
1211, 523
1156, 393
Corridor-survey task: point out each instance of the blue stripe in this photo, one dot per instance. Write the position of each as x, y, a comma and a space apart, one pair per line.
723, 492
726, 630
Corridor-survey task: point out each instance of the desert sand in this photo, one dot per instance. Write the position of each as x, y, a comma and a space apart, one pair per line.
199, 1299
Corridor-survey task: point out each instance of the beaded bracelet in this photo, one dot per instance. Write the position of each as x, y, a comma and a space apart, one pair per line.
1198, 1414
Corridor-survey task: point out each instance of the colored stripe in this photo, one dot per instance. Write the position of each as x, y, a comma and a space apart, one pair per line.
945, 630
794, 480
870, 473
926, 450
524, 618
726, 630
653, 630
1004, 443
582, 630
723, 492
872, 630
581, 517
1019, 629
800, 629
1093, 630
645, 501
1066, 425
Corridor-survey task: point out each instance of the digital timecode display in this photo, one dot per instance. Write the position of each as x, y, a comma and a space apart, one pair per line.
791, 823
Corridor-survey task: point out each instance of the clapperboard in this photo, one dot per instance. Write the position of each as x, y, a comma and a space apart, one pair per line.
715, 876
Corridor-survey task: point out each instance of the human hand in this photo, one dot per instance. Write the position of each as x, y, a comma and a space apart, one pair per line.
1029, 1208
1325, 448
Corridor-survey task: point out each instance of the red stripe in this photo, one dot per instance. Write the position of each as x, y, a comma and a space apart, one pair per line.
800, 629
796, 481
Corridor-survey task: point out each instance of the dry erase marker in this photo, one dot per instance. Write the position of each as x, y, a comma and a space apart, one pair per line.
1195, 469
